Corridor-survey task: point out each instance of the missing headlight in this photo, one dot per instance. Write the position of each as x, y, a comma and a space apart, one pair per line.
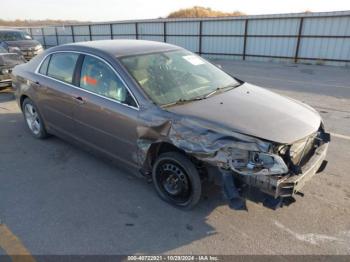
258, 163
260, 160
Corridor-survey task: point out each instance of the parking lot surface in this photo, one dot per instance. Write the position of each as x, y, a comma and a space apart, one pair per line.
58, 199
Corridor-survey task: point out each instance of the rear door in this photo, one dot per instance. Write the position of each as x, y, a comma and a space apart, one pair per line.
56, 90
107, 114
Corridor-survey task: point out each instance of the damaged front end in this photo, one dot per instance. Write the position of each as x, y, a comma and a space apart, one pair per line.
7, 62
304, 158
232, 158
293, 166
280, 172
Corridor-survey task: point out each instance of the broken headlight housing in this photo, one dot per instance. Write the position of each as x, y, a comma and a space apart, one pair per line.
38, 48
256, 163
14, 49
5, 71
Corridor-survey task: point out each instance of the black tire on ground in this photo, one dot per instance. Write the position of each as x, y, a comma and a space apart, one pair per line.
39, 131
176, 180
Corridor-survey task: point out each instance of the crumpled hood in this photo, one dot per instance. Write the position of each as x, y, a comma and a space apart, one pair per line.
255, 111
23, 43
10, 59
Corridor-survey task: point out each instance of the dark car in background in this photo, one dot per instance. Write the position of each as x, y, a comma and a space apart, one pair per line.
17, 41
174, 116
7, 62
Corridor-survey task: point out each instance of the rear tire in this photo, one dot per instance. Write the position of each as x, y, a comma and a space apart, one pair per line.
33, 119
176, 180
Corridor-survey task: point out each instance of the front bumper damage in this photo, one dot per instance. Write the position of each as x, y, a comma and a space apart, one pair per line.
7, 62
292, 184
279, 187
206, 144
289, 184
5, 80
30, 52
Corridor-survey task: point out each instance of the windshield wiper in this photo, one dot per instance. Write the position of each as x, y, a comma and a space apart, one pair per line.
222, 88
183, 101
219, 89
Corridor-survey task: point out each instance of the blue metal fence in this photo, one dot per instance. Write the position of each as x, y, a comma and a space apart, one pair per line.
322, 38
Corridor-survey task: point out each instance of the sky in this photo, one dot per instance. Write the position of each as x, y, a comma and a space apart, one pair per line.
112, 10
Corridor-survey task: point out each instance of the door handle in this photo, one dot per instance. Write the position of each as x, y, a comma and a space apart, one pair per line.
79, 99
39, 86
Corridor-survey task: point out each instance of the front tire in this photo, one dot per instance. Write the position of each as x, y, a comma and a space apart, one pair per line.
33, 119
176, 180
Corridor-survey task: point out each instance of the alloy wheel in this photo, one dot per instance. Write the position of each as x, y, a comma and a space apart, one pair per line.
32, 119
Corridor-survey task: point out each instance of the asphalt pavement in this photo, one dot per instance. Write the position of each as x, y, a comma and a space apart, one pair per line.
58, 199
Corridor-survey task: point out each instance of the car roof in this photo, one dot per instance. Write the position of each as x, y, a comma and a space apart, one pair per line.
121, 47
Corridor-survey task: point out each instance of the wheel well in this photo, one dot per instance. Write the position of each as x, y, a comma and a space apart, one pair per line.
157, 149
22, 99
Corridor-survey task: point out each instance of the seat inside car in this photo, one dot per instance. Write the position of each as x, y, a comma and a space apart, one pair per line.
97, 78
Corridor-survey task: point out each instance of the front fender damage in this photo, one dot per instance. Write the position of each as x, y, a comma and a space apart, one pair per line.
202, 141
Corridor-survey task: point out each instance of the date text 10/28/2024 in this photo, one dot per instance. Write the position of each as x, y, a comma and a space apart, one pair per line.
173, 258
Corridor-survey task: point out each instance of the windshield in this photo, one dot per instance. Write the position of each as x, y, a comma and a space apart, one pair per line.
174, 76
14, 36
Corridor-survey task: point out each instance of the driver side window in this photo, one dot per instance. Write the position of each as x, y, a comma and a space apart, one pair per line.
97, 77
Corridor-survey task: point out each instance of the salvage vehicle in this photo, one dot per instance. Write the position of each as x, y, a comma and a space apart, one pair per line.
17, 41
7, 62
174, 116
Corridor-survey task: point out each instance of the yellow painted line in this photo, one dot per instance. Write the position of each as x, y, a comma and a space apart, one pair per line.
13, 246
341, 136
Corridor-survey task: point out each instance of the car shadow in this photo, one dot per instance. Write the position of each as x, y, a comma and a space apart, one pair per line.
76, 202
63, 200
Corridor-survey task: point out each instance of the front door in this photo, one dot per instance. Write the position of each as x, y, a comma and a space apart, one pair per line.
107, 114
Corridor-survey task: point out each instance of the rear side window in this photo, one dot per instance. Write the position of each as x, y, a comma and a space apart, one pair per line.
62, 66
44, 66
